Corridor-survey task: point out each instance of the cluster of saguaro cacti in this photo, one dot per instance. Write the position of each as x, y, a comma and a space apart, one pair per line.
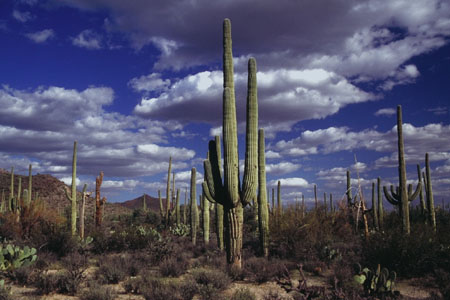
231, 194
403, 194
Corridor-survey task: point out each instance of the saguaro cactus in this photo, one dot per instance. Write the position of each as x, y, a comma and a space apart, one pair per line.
279, 203
423, 207
230, 195
380, 205
349, 190
73, 196
205, 217
30, 185
99, 202
84, 195
374, 208
194, 208
263, 213
11, 191
429, 192
404, 194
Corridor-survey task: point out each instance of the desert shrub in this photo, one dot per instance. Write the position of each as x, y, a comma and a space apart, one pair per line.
160, 250
173, 266
132, 285
212, 277
189, 288
100, 240
5, 293
261, 270
243, 294
61, 242
24, 275
48, 283
157, 289
275, 295
73, 276
112, 269
132, 238
98, 292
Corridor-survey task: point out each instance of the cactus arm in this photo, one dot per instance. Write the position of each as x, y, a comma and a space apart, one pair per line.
412, 196
251, 152
207, 193
209, 181
395, 194
389, 198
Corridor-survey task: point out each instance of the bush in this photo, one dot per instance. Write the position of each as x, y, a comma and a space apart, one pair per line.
47, 283
173, 267
71, 279
157, 289
243, 294
211, 277
98, 292
112, 269
261, 270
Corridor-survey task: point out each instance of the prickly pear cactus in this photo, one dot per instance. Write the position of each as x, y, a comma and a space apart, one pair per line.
13, 257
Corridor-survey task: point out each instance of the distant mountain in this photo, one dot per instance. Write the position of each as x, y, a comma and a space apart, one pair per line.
51, 191
152, 203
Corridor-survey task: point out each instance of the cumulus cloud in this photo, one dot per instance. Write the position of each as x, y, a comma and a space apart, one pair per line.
385, 112
22, 16
149, 83
432, 138
293, 182
364, 40
284, 167
285, 97
43, 123
88, 39
41, 36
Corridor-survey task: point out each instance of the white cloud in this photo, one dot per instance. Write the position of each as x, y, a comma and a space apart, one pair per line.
149, 83
284, 167
158, 152
385, 112
293, 182
22, 16
88, 39
41, 36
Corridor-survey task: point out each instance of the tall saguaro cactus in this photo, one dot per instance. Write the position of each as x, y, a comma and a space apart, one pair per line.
230, 195
205, 217
374, 208
84, 196
73, 196
349, 190
30, 185
11, 191
404, 193
263, 212
279, 203
194, 208
429, 192
380, 205
99, 202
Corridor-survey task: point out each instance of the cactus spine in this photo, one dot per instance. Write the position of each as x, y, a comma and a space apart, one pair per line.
73, 196
404, 194
429, 192
263, 213
380, 205
194, 209
99, 202
234, 198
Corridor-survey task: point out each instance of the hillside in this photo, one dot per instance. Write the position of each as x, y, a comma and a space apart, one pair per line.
151, 202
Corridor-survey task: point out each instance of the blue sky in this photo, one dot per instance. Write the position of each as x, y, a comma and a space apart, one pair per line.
137, 81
